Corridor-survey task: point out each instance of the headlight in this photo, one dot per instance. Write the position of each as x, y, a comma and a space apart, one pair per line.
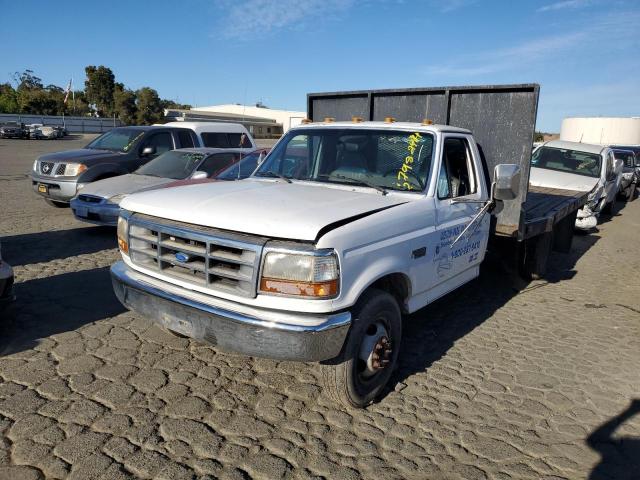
35, 165
117, 198
313, 274
74, 169
123, 225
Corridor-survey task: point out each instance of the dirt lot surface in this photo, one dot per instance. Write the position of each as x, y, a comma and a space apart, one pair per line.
499, 380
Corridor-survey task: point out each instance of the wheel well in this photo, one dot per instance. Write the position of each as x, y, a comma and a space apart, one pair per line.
397, 284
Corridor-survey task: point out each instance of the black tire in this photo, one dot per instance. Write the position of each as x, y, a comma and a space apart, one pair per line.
56, 204
632, 192
608, 208
352, 381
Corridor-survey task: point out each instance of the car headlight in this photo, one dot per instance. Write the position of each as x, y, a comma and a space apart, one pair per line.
312, 274
123, 226
117, 198
35, 165
74, 169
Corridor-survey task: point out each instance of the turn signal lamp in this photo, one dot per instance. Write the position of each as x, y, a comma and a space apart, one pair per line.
122, 235
389, 119
329, 119
357, 119
426, 121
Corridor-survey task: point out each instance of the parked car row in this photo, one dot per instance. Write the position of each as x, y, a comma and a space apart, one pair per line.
36, 131
605, 172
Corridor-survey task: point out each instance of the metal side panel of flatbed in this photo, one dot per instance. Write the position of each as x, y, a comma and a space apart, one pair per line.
545, 207
501, 117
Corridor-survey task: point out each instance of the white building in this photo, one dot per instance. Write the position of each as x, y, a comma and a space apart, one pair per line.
601, 130
286, 118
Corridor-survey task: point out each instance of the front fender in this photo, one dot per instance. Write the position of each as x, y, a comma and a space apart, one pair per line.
97, 171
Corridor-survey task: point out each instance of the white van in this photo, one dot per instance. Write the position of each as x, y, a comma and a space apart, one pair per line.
219, 134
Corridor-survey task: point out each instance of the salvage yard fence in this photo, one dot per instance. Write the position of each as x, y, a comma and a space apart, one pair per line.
72, 124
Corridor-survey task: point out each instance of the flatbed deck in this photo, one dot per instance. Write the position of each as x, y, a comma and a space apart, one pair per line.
545, 207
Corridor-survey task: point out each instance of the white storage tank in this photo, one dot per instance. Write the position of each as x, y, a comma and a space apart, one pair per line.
601, 130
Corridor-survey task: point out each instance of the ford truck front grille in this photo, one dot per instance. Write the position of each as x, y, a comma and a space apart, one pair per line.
215, 260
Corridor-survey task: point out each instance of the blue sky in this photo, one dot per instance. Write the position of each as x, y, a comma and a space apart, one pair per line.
585, 54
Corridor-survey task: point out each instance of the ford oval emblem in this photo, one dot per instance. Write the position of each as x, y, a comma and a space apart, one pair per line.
182, 257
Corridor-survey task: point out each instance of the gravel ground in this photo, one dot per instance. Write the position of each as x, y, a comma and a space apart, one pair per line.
500, 380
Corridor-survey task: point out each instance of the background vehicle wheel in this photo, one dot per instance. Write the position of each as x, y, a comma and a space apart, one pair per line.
632, 192
370, 353
56, 204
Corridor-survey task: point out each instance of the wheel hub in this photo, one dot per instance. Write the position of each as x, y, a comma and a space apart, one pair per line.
376, 350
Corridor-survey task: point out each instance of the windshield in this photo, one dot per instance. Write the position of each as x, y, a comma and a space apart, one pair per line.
243, 169
628, 158
118, 140
173, 164
571, 161
382, 159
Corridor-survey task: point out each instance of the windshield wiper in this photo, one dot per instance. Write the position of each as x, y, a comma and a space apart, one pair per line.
272, 174
356, 181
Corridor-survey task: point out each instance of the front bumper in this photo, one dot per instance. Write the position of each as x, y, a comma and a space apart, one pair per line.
103, 213
6, 284
232, 327
56, 189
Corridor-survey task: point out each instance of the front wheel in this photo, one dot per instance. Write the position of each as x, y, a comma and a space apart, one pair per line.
632, 192
370, 353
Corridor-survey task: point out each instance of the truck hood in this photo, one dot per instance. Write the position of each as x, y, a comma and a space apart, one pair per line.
123, 184
81, 155
542, 177
295, 211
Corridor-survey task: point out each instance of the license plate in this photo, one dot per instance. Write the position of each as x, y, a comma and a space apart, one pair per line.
82, 211
42, 188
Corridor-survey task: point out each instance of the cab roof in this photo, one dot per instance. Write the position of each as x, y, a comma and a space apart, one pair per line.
386, 126
577, 146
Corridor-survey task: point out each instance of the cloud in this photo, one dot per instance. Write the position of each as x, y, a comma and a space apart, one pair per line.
564, 4
251, 18
451, 5
602, 34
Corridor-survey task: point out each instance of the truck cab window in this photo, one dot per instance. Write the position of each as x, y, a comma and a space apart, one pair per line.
185, 139
162, 142
456, 177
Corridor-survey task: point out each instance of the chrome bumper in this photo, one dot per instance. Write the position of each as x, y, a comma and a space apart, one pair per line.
97, 213
259, 334
59, 190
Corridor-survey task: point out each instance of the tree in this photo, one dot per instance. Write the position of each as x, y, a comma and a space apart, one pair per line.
538, 137
8, 99
166, 104
27, 81
124, 102
99, 88
149, 106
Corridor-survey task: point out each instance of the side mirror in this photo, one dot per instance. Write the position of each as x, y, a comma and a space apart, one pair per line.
199, 174
146, 151
506, 183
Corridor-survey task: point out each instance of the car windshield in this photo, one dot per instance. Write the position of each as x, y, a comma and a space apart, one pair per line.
570, 161
243, 169
118, 140
628, 158
381, 159
174, 164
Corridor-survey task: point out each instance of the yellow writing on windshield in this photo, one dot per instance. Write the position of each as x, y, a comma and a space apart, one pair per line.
403, 178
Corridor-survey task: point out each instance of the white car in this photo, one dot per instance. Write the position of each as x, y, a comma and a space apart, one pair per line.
582, 167
220, 134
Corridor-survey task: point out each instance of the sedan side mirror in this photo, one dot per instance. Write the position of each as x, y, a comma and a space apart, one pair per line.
146, 151
199, 174
506, 183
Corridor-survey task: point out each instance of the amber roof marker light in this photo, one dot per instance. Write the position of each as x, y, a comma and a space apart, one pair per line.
329, 119
426, 121
304, 121
389, 119
355, 119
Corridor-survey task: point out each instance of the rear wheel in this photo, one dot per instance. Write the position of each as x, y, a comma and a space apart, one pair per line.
56, 204
370, 353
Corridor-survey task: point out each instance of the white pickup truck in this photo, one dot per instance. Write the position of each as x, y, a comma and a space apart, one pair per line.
343, 228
